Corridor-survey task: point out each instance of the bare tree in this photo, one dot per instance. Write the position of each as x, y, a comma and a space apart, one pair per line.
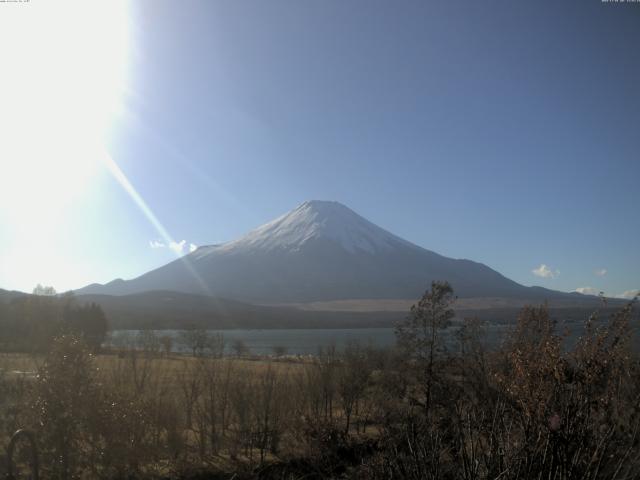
419, 335
196, 340
167, 343
279, 350
216, 345
240, 348
44, 290
353, 376
149, 342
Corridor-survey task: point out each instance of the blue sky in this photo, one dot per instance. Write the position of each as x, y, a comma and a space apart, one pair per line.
504, 132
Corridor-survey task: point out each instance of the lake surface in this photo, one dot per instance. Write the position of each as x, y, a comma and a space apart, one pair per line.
308, 341
298, 341
295, 341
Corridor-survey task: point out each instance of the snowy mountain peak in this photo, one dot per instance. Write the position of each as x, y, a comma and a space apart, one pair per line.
326, 207
319, 251
317, 220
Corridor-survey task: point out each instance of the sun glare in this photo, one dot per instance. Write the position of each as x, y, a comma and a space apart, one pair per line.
63, 74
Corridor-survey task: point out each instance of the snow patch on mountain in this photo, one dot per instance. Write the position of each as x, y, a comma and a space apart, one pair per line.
310, 221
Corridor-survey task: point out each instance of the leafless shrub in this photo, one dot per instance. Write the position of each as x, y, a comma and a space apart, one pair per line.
536, 408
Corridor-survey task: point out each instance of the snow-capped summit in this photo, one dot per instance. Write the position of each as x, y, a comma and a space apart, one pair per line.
319, 251
315, 220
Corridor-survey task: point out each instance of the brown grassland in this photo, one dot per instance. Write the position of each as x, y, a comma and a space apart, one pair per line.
533, 408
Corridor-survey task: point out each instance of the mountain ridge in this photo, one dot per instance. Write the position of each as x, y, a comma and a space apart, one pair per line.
320, 251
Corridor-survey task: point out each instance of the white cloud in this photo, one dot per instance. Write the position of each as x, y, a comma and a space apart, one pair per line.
545, 272
588, 291
601, 272
629, 294
177, 247
180, 247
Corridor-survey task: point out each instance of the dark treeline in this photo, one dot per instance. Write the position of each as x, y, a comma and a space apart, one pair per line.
29, 323
534, 408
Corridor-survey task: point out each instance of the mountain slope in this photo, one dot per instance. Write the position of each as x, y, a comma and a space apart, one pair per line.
174, 310
160, 310
320, 251
8, 295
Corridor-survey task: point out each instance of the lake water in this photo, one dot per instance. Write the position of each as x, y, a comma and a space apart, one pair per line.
307, 341
295, 341
298, 341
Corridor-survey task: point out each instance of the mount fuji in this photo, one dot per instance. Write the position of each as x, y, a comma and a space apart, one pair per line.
320, 251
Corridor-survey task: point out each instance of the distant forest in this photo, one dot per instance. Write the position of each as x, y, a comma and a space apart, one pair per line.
29, 323
534, 407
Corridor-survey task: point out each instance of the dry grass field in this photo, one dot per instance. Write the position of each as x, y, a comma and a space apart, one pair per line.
534, 408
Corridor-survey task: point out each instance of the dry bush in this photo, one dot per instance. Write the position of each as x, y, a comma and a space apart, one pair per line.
536, 408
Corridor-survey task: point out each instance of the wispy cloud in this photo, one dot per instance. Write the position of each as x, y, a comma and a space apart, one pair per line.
180, 247
177, 247
629, 294
545, 271
588, 291
601, 272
